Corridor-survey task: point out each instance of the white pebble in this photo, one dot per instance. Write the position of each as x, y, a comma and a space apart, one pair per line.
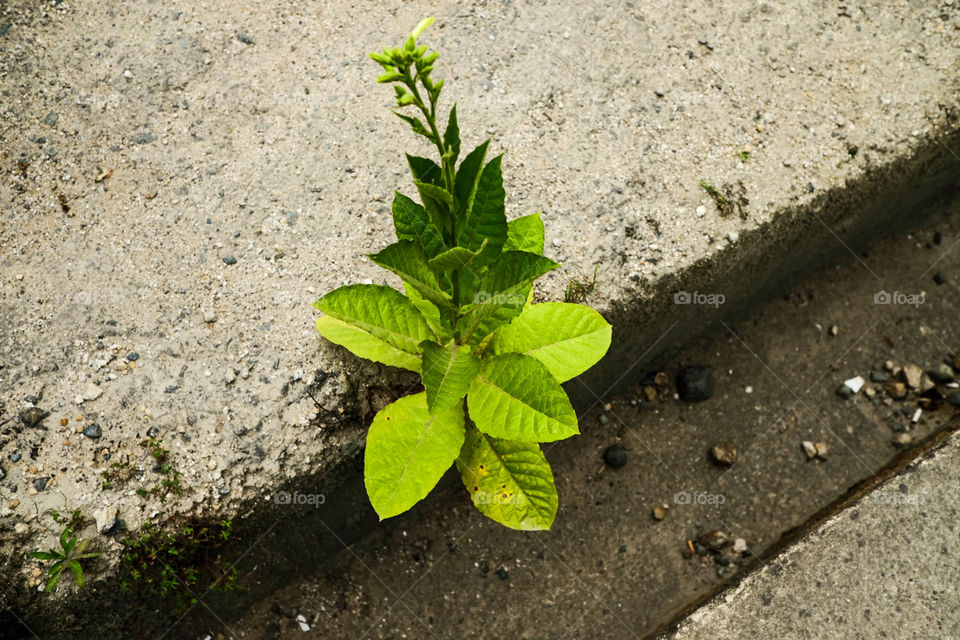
854, 384
733, 236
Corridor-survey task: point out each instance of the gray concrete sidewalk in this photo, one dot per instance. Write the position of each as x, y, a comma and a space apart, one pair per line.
884, 567
182, 181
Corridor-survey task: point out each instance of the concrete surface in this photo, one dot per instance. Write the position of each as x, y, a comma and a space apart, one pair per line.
884, 567
256, 133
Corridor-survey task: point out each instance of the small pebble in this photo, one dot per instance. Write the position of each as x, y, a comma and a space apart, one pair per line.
695, 383
244, 38
912, 375
954, 398
724, 453
901, 439
810, 449
615, 456
939, 278
941, 374
133, 356
896, 390
33, 416
739, 545
660, 511
502, 573
15, 457
854, 384
92, 431
602, 419
834, 330
230, 259
878, 376
844, 391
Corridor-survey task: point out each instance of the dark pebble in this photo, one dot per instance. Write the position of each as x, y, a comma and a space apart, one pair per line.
144, 138
31, 399
92, 431
615, 456
41, 483
503, 573
33, 416
941, 374
3, 474
844, 391
695, 383
111, 323
244, 38
954, 398
41, 140
879, 376
723, 561
229, 259
153, 432
622, 549
51, 119
700, 549
15, 457
133, 356
939, 278
171, 389
50, 151
937, 238
191, 420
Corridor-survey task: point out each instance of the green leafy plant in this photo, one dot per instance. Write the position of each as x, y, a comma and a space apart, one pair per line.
490, 360
69, 555
176, 559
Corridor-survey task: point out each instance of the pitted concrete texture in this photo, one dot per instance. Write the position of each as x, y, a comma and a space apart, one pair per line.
182, 180
885, 567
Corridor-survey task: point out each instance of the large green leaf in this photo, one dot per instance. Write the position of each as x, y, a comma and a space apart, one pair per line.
375, 322
447, 373
451, 136
487, 218
525, 234
436, 193
426, 171
514, 397
501, 292
509, 482
408, 451
439, 323
366, 345
567, 338
412, 223
455, 258
465, 184
407, 260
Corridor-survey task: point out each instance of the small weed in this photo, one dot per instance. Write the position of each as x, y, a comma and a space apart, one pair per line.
731, 198
174, 560
69, 555
578, 291
745, 156
170, 482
